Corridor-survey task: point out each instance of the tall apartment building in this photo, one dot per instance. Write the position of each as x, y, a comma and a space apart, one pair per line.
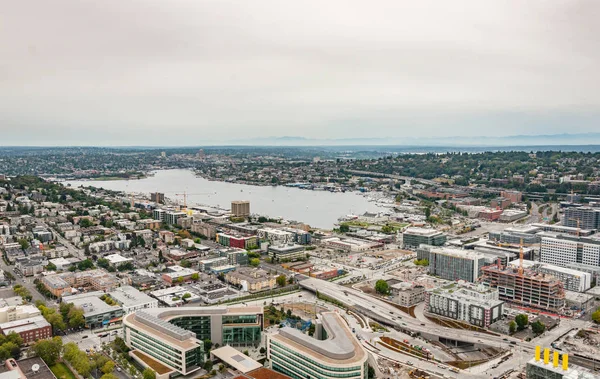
582, 217
562, 249
159, 214
157, 197
531, 289
513, 196
171, 218
414, 237
456, 264
572, 280
500, 202
240, 208
334, 353
476, 304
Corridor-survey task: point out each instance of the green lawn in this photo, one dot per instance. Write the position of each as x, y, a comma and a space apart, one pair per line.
61, 371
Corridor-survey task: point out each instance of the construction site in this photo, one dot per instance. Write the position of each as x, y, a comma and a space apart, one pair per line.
525, 287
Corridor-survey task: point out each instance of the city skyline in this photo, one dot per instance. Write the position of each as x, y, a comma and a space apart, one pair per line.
194, 73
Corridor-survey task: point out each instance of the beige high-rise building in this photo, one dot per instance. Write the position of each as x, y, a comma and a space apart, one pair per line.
240, 208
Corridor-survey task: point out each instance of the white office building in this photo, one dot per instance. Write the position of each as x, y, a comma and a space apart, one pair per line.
562, 249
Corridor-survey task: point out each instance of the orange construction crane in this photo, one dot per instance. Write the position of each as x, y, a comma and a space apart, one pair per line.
184, 194
521, 252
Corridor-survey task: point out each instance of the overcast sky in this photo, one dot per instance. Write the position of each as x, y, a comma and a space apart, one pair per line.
189, 72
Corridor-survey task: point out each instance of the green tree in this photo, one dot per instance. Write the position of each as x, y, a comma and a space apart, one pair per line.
108, 367
522, 321
207, 345
185, 263
103, 262
56, 320
148, 373
538, 327
127, 266
344, 228
195, 276
427, 212
512, 327
281, 280
85, 264
70, 351
76, 318
254, 262
65, 308
596, 316
186, 295
85, 223
24, 243
208, 365
109, 376
51, 267
81, 364
382, 287
387, 229
49, 350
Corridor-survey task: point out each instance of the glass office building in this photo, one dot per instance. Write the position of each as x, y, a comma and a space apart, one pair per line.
299, 356
173, 336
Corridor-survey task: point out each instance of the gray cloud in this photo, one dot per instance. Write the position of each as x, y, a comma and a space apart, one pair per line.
188, 71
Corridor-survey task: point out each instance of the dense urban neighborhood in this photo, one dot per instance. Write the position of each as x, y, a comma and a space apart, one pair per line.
461, 273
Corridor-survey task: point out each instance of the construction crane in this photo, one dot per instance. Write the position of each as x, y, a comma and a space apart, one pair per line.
185, 195
521, 253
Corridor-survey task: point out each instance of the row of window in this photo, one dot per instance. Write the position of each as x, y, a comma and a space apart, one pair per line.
292, 369
294, 356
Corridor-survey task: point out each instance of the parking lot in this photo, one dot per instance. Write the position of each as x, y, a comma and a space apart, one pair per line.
89, 339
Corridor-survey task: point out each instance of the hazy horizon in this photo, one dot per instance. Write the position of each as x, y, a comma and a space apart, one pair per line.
193, 73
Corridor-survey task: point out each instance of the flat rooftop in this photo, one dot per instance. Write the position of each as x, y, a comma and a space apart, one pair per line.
92, 305
341, 348
459, 253
24, 325
129, 296
425, 232
573, 372
235, 359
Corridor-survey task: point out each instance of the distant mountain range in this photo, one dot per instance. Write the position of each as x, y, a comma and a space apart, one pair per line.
517, 140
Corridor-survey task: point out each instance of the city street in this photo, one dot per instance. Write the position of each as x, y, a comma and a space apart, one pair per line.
25, 282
